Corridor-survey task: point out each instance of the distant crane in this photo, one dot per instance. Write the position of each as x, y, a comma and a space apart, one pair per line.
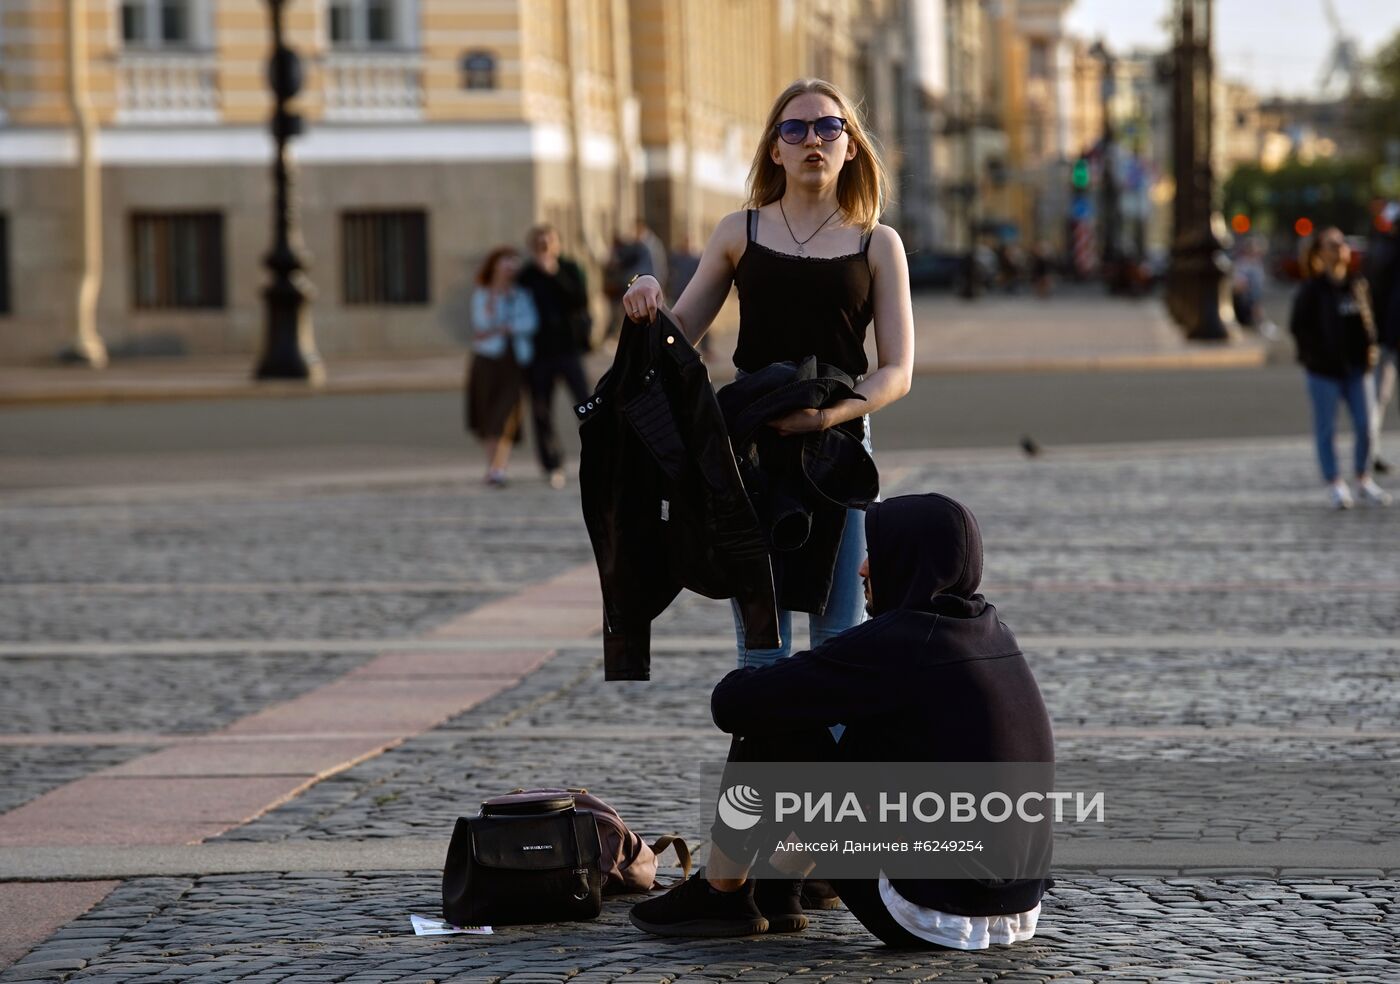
1345, 61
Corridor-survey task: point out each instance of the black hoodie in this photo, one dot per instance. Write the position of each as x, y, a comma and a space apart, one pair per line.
935, 676
1332, 325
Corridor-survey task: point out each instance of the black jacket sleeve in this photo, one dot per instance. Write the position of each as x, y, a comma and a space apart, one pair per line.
813, 688
573, 285
1303, 323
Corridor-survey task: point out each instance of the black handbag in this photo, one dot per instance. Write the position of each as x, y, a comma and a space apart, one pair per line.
530, 862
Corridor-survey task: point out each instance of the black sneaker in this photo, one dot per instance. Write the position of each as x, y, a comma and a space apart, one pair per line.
693, 908
780, 901
817, 893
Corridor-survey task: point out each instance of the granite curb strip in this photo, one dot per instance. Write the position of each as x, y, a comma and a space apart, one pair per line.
1244, 355
646, 733
494, 637
92, 863
43, 909
193, 791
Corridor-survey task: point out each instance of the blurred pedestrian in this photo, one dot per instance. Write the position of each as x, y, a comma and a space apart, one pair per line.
560, 292
684, 262
1042, 273
503, 326
1384, 259
1009, 267
1336, 339
629, 260
1249, 284
656, 253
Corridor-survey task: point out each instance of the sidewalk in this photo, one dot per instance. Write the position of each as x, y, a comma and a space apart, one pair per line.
237, 740
1073, 331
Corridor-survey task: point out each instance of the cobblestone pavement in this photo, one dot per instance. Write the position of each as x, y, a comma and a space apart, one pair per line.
350, 927
155, 693
1224, 546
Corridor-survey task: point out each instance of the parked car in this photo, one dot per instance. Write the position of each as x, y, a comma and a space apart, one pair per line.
935, 269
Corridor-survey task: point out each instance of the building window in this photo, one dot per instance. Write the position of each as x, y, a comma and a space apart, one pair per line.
4, 264
1039, 67
160, 23
385, 257
479, 70
372, 23
177, 260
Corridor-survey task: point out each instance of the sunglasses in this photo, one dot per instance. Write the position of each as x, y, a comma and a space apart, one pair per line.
828, 128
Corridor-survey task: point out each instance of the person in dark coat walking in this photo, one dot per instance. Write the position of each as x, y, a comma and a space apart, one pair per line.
1384, 259
1335, 334
560, 292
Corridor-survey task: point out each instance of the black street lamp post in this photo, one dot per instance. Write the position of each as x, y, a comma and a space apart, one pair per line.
289, 348
967, 125
1196, 276
1114, 267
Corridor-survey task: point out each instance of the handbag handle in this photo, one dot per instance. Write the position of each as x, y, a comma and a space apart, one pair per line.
584, 890
682, 853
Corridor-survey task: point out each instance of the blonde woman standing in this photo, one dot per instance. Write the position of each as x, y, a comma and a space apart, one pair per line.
813, 267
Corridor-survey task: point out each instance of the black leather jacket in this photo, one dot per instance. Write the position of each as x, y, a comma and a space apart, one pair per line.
801, 486
662, 498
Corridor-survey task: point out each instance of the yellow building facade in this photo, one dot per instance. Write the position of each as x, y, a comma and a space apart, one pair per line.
435, 130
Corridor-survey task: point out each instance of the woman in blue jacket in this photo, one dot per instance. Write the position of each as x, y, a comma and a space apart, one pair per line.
503, 327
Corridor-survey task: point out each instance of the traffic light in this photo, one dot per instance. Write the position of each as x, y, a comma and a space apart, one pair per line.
1079, 177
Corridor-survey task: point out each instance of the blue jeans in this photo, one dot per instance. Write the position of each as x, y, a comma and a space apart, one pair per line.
1359, 392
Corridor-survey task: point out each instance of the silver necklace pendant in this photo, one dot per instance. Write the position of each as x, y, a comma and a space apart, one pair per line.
801, 250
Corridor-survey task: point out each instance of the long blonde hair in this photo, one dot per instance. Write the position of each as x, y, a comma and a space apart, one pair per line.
862, 188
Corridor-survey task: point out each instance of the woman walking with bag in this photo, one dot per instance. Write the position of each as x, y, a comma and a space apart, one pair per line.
1336, 339
503, 327
813, 266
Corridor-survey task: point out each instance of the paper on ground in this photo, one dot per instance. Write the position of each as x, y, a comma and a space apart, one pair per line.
428, 926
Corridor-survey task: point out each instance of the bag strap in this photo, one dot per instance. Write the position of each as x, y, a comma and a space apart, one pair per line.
580, 869
682, 852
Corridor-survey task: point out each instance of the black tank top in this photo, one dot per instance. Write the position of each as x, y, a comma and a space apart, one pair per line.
791, 306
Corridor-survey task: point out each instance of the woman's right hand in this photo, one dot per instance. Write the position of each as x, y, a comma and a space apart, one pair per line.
643, 299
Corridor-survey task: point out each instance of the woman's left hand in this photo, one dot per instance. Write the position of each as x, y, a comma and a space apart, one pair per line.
799, 422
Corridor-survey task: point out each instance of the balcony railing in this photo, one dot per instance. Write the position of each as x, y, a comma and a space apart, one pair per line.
167, 87
373, 85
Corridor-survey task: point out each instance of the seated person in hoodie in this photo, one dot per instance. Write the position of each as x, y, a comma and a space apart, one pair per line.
933, 676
